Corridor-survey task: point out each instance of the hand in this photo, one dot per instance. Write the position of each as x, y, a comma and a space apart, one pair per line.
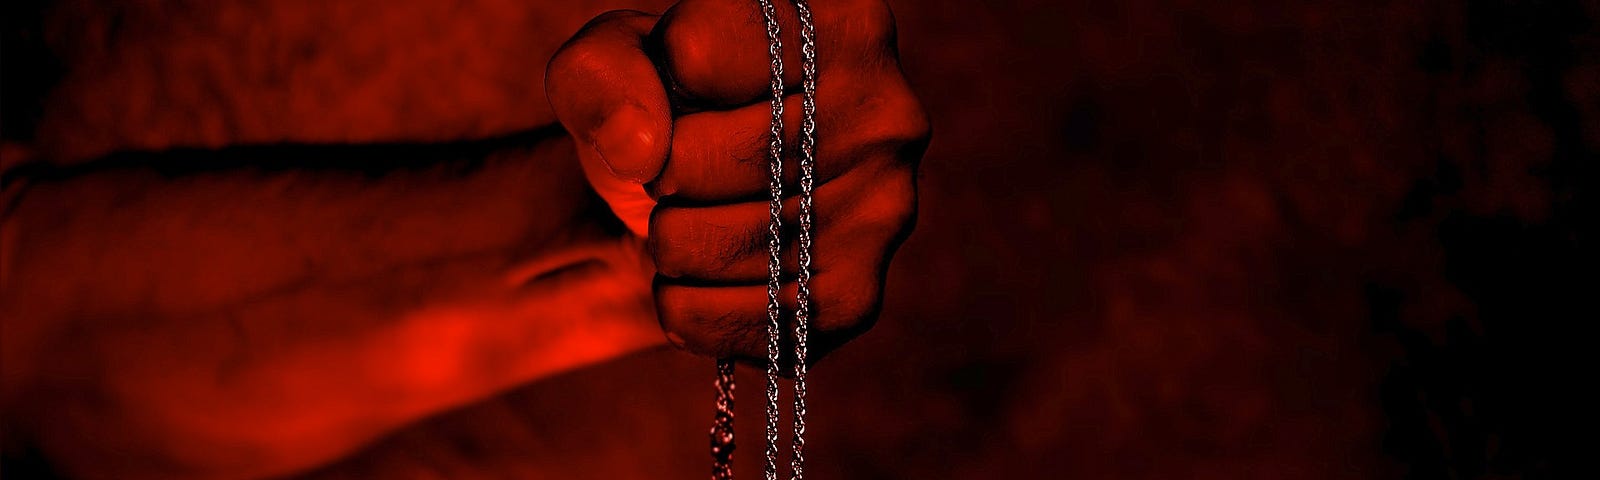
670, 115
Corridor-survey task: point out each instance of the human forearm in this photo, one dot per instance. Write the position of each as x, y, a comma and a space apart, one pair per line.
295, 314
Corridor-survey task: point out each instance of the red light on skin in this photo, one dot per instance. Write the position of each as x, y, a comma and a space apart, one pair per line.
221, 274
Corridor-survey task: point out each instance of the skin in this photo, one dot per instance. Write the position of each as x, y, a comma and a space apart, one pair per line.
255, 320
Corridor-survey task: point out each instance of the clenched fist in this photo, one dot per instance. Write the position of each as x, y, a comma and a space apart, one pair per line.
670, 115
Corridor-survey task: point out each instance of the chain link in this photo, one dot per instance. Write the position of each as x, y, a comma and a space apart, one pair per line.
774, 234
802, 316
722, 433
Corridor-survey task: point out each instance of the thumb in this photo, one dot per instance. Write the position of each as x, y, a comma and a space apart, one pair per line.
607, 93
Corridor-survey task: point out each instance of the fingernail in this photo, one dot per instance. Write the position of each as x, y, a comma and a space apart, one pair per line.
627, 142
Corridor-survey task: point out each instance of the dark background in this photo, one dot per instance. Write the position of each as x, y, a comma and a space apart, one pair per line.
1158, 240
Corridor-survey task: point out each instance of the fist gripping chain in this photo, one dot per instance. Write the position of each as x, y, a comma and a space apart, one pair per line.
722, 440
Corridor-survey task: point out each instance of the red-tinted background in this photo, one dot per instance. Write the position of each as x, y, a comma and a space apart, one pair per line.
1156, 240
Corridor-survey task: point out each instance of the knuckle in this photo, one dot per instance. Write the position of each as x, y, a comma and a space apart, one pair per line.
893, 204
894, 122
585, 52
689, 64
851, 308
903, 118
697, 48
868, 21
877, 20
570, 64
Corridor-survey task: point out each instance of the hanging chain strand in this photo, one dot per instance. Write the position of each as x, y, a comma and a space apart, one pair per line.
774, 235
722, 444
722, 439
808, 142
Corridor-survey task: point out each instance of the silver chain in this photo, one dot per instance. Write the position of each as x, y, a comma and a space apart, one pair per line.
774, 234
802, 314
722, 438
